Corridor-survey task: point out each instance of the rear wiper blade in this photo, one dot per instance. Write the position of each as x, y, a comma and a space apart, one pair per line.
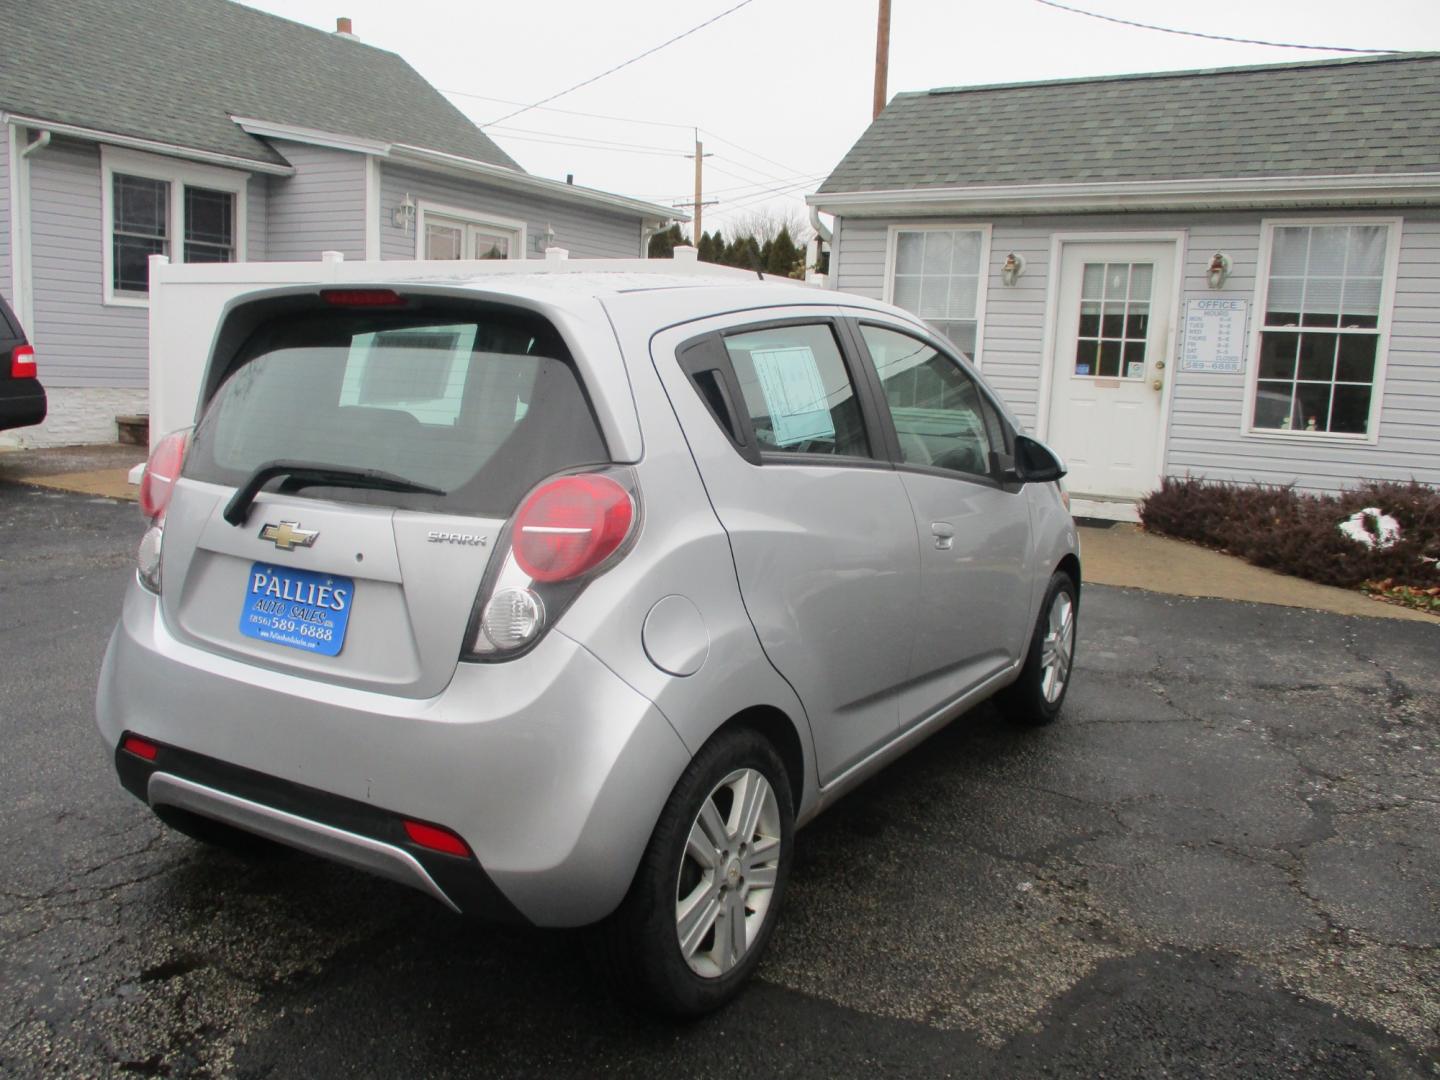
301, 475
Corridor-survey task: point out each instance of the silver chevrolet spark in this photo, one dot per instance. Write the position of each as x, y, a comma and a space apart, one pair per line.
566, 598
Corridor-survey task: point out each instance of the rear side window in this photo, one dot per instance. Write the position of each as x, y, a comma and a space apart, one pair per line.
482, 406
797, 390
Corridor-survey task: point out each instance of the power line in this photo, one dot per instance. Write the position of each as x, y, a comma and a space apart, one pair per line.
602, 149
1208, 37
746, 188
747, 150
584, 140
571, 112
625, 64
767, 178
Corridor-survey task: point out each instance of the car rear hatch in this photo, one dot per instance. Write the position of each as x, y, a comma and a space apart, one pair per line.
389, 442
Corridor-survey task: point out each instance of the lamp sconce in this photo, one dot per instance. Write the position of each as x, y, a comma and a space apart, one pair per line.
1219, 270
403, 216
547, 239
1012, 269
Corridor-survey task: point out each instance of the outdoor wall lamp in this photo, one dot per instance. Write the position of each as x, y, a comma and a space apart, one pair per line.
1012, 269
549, 239
403, 216
1219, 270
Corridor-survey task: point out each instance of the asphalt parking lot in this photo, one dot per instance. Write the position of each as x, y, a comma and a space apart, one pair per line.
1224, 860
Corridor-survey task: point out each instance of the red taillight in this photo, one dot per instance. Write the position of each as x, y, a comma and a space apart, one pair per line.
361, 297
436, 839
161, 472
571, 525
139, 747
22, 362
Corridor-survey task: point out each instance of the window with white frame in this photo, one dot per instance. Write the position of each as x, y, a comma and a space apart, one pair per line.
160, 206
450, 233
937, 275
1320, 337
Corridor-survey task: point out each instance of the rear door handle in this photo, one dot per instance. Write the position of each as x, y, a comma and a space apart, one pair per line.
944, 534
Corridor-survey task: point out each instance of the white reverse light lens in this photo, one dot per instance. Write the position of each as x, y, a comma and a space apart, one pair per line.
512, 617
147, 559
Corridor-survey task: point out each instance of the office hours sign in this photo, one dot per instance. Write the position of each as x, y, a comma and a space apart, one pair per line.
1214, 336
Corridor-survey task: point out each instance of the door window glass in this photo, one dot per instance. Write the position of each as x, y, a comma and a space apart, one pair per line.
941, 418
797, 391
1114, 320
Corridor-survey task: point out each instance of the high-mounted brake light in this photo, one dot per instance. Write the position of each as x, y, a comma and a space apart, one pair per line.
161, 472
362, 297
570, 526
436, 839
22, 362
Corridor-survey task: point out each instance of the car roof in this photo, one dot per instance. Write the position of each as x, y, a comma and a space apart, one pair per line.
668, 296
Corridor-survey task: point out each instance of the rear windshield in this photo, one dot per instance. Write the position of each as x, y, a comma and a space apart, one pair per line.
478, 403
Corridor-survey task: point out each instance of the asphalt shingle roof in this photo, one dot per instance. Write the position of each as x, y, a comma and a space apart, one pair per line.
1367, 115
175, 71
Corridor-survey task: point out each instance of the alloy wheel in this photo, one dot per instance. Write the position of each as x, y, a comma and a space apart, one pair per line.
728, 873
1057, 650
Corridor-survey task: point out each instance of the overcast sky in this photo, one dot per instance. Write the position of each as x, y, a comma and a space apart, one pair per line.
782, 88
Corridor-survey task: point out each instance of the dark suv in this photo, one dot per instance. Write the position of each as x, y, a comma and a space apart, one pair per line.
22, 398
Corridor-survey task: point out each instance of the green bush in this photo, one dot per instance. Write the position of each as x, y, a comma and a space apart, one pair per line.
1282, 529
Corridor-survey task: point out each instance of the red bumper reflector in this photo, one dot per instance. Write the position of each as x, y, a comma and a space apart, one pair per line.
139, 747
437, 839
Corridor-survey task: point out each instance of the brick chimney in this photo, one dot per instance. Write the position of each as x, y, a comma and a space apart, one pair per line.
344, 28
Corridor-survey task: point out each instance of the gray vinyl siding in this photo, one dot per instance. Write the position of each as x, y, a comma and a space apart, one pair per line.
6, 281
1205, 436
257, 218
84, 342
585, 233
320, 208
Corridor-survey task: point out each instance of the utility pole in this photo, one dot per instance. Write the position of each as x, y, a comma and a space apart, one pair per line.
699, 184
699, 204
882, 57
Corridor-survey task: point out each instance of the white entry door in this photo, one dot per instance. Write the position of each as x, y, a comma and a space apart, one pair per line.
1109, 369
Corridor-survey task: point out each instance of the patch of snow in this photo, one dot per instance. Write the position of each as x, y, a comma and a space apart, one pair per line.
1372, 527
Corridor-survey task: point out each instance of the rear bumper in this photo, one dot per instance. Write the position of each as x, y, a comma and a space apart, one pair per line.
22, 403
552, 769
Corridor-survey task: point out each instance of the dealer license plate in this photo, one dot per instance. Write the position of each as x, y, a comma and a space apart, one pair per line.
298, 608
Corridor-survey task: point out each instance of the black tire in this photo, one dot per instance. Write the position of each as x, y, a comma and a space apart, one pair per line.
1025, 701
218, 834
638, 948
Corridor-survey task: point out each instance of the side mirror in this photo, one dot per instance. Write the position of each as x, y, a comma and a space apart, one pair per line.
1034, 463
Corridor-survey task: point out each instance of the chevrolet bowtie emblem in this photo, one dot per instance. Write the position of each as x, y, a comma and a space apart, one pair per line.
288, 535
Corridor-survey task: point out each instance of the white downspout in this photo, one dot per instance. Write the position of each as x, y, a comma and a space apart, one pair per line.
823, 235
821, 229
20, 252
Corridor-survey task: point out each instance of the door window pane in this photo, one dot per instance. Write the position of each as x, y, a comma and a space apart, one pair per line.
797, 392
141, 212
937, 276
1114, 320
941, 418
